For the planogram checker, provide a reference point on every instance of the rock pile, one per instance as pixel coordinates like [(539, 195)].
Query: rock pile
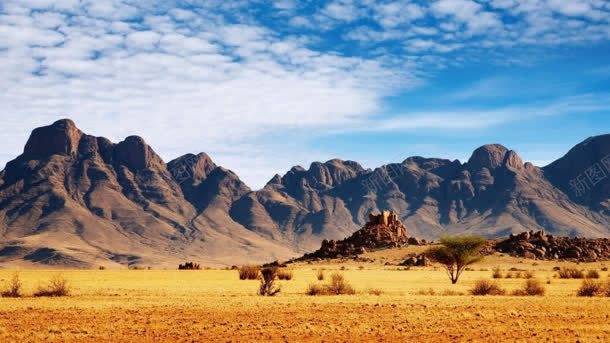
[(541, 246), (384, 230)]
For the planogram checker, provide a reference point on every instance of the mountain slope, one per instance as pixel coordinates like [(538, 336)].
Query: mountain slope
[(75, 200)]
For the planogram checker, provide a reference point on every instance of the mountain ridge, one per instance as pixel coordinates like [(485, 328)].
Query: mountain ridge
[(79, 200)]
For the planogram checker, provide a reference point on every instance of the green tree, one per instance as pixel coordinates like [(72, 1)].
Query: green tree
[(456, 253)]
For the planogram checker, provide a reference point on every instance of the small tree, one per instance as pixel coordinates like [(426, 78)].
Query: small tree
[(456, 253), (268, 276)]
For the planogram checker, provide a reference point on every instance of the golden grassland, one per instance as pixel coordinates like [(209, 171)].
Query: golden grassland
[(213, 305)]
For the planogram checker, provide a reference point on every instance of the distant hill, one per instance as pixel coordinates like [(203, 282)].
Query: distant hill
[(75, 200)]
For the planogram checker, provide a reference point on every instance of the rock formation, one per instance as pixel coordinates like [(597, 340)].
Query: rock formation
[(538, 245), (383, 230)]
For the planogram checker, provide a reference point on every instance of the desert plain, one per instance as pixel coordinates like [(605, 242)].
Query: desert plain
[(392, 304)]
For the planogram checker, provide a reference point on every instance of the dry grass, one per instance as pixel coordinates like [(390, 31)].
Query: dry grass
[(591, 288), (13, 287), (212, 305), (592, 274), (532, 287), (487, 287), (337, 286), (249, 272), (285, 274), (571, 273), (56, 287)]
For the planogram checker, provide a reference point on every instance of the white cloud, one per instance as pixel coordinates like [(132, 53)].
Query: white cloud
[(216, 78)]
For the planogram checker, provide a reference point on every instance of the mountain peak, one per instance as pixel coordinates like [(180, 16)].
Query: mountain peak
[(59, 138), (136, 154), (489, 156)]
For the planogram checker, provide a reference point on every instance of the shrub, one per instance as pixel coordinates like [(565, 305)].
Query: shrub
[(590, 288), (13, 287), (556, 268), (509, 275), (320, 275), (486, 287), (532, 287), (339, 286), (268, 287), (56, 287), (497, 274), (284, 274), (604, 269), (528, 275), (518, 275), (360, 267), (315, 289), (249, 272), (101, 268), (571, 273), (592, 274), (336, 286), (375, 291)]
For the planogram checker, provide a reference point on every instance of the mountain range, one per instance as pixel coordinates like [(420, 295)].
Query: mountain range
[(75, 200)]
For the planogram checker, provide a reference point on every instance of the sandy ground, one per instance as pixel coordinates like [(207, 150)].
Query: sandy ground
[(214, 306)]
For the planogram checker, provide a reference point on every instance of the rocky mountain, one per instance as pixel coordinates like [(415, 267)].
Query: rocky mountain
[(72, 199), (75, 200)]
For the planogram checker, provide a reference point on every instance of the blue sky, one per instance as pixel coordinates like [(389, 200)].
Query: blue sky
[(265, 85)]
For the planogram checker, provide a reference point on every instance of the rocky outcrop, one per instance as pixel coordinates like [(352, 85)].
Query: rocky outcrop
[(538, 245), (383, 230)]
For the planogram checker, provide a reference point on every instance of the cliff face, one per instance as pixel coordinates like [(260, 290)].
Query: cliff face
[(77, 200)]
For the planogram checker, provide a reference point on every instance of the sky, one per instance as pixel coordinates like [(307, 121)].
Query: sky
[(263, 85)]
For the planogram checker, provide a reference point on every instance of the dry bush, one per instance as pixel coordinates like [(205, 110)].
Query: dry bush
[(509, 276), (486, 287), (315, 289), (590, 288), (518, 275), (532, 287), (497, 274), (320, 275), (249, 272), (604, 269), (360, 267), (571, 273), (339, 286), (336, 286), (56, 287), (375, 291), (592, 274), (528, 275), (268, 287), (285, 274), (13, 287)]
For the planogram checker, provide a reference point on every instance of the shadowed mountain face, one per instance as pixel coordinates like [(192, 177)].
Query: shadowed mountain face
[(77, 200)]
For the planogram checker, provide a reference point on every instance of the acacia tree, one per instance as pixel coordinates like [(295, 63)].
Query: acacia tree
[(456, 253)]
